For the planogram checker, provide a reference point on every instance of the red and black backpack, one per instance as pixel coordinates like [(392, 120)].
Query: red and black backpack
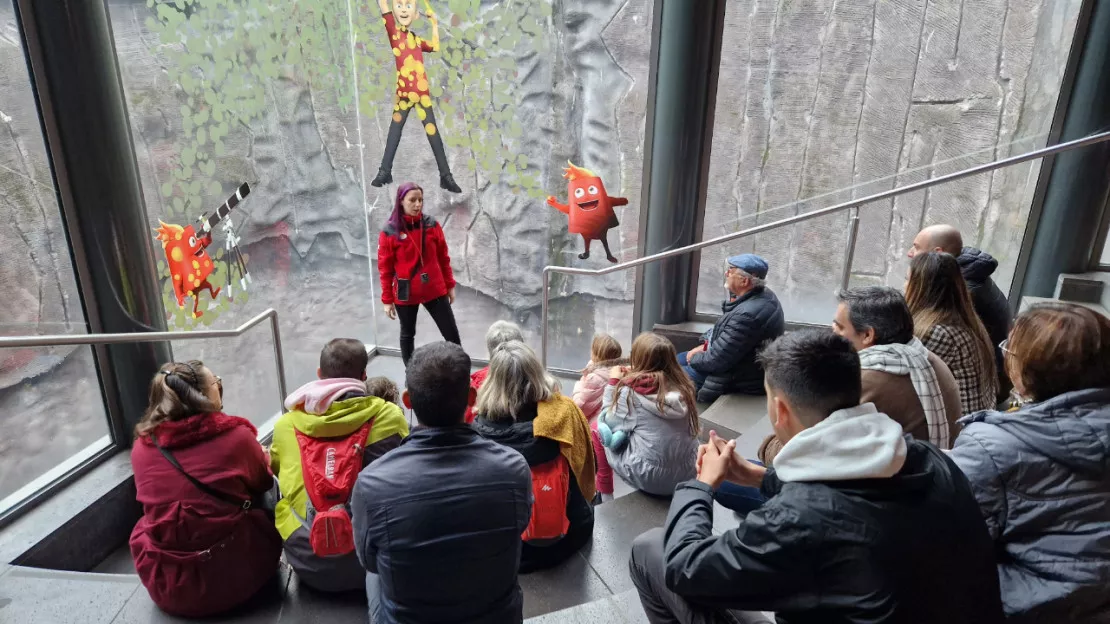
[(550, 487), (330, 467)]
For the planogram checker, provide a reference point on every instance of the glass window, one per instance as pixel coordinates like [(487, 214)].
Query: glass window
[(51, 395), (298, 98), (884, 95), (1105, 260)]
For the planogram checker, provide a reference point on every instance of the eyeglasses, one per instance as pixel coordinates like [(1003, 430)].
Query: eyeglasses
[(1004, 347)]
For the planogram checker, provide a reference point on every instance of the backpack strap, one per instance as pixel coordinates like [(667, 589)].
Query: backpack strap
[(244, 504), (360, 436)]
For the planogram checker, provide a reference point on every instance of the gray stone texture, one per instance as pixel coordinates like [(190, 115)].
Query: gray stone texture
[(820, 102)]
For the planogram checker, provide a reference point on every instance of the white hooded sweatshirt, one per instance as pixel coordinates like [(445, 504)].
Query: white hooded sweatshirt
[(855, 443)]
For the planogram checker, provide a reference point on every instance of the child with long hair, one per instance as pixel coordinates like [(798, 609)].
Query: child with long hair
[(649, 424), (605, 353)]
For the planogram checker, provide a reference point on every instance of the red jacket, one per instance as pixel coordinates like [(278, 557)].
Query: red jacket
[(477, 378), (399, 255), (195, 554)]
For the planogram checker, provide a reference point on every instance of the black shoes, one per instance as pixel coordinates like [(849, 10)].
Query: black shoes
[(384, 177), (447, 183)]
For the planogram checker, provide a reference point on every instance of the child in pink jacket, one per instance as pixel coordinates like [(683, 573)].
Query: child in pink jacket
[(605, 353)]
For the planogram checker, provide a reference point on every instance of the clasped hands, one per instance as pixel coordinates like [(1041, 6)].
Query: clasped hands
[(718, 461)]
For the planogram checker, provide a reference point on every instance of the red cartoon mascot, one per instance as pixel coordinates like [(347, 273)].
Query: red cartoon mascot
[(189, 263), (591, 208)]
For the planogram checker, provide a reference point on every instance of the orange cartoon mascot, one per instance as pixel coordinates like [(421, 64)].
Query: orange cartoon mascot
[(591, 208), (190, 265)]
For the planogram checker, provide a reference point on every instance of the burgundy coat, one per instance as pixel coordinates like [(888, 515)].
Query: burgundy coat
[(195, 554)]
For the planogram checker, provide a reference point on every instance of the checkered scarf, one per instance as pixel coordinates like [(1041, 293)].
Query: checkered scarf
[(912, 359)]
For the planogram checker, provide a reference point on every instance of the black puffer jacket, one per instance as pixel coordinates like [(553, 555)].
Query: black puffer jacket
[(518, 436), (729, 363), (990, 304), (911, 548)]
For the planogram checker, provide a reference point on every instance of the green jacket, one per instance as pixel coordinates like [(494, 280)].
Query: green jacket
[(342, 418)]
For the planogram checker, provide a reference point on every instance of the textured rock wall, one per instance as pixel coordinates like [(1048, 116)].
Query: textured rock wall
[(822, 101)]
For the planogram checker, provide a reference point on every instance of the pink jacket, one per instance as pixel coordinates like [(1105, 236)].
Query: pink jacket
[(588, 389)]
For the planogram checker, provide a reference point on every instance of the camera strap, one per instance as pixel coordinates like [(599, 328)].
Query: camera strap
[(420, 251)]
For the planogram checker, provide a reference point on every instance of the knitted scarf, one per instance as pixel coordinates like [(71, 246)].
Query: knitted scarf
[(912, 360)]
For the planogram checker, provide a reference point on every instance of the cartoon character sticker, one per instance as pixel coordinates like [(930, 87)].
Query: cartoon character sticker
[(413, 91), (190, 265), (590, 210)]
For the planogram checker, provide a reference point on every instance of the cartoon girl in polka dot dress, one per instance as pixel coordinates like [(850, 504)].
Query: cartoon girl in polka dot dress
[(412, 88)]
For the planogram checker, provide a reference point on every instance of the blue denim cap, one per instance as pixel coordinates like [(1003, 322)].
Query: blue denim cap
[(751, 264)]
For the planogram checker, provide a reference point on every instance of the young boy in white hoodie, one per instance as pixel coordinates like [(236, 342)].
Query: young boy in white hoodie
[(861, 524)]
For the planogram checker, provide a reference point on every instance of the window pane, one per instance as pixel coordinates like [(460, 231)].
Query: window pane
[(886, 94), (298, 98), (51, 396)]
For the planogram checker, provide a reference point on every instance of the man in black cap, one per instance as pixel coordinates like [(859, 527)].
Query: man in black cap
[(725, 363)]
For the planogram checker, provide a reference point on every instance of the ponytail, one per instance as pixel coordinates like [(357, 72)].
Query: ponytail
[(176, 392)]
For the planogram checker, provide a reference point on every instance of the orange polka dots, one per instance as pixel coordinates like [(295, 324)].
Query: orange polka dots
[(396, 52), (430, 129), (425, 101), (397, 117)]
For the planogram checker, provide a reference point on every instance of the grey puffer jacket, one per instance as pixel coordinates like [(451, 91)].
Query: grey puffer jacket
[(1042, 479), (661, 450)]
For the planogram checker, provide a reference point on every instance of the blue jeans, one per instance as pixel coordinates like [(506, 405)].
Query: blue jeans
[(739, 498), (694, 375)]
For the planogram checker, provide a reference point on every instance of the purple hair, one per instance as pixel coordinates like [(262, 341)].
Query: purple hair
[(397, 219)]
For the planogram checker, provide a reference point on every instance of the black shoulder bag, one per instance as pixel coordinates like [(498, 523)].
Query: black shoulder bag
[(246, 504)]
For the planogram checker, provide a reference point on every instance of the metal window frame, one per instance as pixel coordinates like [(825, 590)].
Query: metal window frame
[(57, 482)]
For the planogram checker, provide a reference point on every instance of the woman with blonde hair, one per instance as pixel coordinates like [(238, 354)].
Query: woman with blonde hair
[(205, 543), (520, 406), (1041, 473), (945, 321), (649, 425)]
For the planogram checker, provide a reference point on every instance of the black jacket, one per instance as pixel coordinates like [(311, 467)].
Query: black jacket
[(729, 363), (911, 548), (990, 304), (518, 436)]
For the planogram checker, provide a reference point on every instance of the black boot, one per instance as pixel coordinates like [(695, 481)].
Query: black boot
[(384, 177), (447, 182)]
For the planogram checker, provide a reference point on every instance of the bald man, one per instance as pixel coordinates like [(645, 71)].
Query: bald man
[(977, 267)]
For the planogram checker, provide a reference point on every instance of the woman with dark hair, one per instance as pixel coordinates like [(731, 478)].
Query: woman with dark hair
[(203, 545), (944, 319), (1041, 473), (415, 269)]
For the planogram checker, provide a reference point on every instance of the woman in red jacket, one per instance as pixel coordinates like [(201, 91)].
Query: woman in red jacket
[(415, 269), (199, 548)]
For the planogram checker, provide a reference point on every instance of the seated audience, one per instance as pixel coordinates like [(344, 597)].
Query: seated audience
[(1042, 473), (333, 429), (900, 376), (520, 407), (605, 353), (726, 363), (977, 267), (200, 548), (862, 523), (649, 425), (498, 334), (384, 389), (438, 520), (945, 321)]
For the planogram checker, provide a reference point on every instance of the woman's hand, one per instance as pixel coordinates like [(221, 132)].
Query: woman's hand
[(390, 311), (617, 372), (451, 296)]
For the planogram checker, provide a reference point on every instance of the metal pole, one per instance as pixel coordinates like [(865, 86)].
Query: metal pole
[(543, 316), (850, 247), (279, 359)]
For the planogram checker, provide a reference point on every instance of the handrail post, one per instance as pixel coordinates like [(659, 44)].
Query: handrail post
[(279, 359), (850, 247), (544, 316)]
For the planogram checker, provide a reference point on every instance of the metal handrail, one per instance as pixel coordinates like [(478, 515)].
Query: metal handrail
[(1093, 139), (8, 342)]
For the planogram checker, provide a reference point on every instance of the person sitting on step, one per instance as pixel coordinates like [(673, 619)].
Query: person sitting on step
[(605, 353), (520, 407), (498, 334), (862, 523), (649, 422), (438, 521), (337, 416)]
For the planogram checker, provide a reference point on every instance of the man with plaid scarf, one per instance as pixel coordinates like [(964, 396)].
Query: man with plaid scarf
[(900, 376)]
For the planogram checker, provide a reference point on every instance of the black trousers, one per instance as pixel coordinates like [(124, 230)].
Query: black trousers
[(662, 605), (440, 309), (434, 139)]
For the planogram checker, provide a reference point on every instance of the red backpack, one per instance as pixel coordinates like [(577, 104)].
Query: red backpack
[(330, 467), (550, 485)]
